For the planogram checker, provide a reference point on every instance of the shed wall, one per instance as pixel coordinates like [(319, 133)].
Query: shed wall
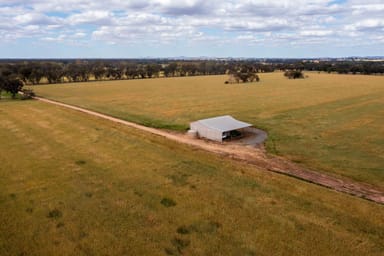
[(206, 132)]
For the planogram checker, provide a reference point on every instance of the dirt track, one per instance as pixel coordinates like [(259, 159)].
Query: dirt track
[(254, 156)]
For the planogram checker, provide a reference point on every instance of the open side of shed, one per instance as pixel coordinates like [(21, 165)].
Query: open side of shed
[(218, 128)]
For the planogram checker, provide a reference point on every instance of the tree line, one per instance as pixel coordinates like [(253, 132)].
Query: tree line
[(60, 71), (36, 72), (242, 70), (332, 66)]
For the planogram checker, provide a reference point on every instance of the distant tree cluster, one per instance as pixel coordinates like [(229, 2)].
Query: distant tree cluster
[(332, 66), (294, 74), (244, 74)]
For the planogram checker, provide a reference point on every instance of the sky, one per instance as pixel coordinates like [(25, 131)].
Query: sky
[(191, 28)]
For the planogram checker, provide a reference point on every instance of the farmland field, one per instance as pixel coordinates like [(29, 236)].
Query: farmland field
[(331, 123), (73, 184)]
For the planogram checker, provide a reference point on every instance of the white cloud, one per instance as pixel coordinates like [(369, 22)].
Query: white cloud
[(367, 26), (362, 8), (174, 21), (79, 35), (258, 25), (91, 17), (59, 38), (36, 18), (320, 33)]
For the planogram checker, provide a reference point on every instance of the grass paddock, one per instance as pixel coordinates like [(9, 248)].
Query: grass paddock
[(328, 122), (73, 184)]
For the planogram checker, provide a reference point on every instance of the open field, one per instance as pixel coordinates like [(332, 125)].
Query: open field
[(75, 184), (249, 155), (331, 123)]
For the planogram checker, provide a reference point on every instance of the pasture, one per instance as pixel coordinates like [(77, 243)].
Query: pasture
[(328, 122), (73, 184)]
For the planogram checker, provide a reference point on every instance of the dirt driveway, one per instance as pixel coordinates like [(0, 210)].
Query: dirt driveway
[(252, 137), (255, 156)]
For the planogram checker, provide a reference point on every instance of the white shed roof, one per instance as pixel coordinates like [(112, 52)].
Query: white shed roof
[(224, 123)]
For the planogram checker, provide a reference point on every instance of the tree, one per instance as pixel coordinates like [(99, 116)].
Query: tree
[(8, 70), (2, 81), (98, 70), (131, 71), (170, 69), (153, 70), (53, 72), (190, 69), (141, 72), (13, 86), (244, 74), (115, 71), (77, 72), (36, 74), (293, 74), (25, 72)]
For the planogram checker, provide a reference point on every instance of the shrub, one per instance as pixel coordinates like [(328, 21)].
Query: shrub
[(183, 230), (55, 214), (167, 202), (80, 162), (27, 94), (180, 243)]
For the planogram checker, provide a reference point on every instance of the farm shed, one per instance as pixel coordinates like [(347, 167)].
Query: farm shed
[(218, 128)]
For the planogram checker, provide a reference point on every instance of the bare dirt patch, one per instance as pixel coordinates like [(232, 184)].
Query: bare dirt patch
[(255, 156)]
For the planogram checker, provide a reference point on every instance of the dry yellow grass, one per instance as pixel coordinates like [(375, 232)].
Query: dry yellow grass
[(332, 123), (72, 184)]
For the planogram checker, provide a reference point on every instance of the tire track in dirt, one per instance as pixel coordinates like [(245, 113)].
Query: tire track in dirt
[(254, 156)]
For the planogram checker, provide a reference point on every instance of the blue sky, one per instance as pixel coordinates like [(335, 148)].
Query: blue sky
[(192, 28)]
